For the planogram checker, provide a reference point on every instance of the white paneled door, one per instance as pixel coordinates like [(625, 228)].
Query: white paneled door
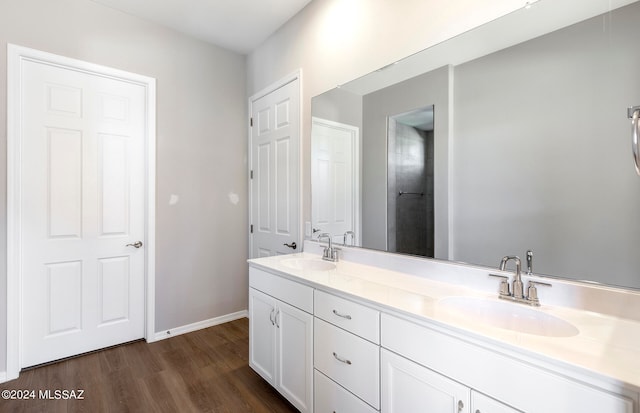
[(82, 211), (335, 192), (275, 158)]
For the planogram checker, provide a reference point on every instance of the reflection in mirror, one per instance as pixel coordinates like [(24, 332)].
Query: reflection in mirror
[(531, 143), (335, 173), (410, 218), (370, 114)]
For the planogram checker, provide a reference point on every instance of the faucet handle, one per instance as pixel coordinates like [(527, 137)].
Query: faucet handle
[(532, 292), (335, 254), (504, 285), (345, 235)]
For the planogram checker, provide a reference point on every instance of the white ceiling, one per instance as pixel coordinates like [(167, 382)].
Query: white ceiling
[(238, 25)]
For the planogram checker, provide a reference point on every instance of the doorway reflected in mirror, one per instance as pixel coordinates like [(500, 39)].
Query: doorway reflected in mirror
[(410, 209)]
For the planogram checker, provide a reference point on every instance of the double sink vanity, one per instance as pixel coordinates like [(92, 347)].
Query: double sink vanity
[(376, 331), (511, 137)]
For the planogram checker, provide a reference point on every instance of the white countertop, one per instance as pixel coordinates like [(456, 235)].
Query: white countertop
[(606, 345)]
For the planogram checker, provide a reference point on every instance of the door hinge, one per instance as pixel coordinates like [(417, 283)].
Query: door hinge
[(251, 228), (251, 122), (251, 174)]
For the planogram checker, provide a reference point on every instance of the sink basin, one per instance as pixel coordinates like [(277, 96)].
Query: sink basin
[(308, 264), (505, 315)]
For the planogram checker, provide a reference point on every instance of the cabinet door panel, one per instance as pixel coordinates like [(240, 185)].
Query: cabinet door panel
[(294, 329), (409, 387), (262, 341)]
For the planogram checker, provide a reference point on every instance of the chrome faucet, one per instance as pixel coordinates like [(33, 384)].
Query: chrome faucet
[(330, 253), (353, 238), (518, 291)]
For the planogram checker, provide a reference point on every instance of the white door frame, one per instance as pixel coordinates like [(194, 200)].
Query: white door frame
[(15, 56), (292, 77)]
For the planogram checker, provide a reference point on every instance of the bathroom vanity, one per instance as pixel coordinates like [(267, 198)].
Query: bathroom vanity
[(469, 149), (383, 332)]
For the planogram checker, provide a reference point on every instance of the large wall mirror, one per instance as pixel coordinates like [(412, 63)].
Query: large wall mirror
[(511, 137)]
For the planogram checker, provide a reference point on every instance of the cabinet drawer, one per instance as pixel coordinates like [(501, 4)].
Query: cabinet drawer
[(485, 404), (291, 292), (333, 398), (348, 360), (353, 317)]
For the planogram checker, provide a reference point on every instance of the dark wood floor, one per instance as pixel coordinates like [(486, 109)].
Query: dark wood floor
[(203, 371)]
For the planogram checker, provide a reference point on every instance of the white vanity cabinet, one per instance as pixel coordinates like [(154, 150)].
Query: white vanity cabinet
[(281, 336), (484, 371), (329, 350)]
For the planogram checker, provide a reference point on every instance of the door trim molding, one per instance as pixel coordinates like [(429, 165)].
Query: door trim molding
[(291, 77), (15, 56)]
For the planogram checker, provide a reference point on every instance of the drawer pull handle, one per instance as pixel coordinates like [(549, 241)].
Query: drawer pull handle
[(347, 316), (341, 360), (271, 317)]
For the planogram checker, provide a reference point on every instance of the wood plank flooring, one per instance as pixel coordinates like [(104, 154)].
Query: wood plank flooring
[(202, 371)]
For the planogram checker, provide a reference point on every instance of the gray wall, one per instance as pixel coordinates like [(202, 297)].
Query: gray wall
[(201, 271), (537, 164), (432, 88), (335, 41), (339, 105)]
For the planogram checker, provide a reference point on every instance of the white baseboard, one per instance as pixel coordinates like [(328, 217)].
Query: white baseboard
[(5, 377), (161, 335)]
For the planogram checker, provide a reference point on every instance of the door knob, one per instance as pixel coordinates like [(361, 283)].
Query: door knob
[(136, 244), (292, 245)]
